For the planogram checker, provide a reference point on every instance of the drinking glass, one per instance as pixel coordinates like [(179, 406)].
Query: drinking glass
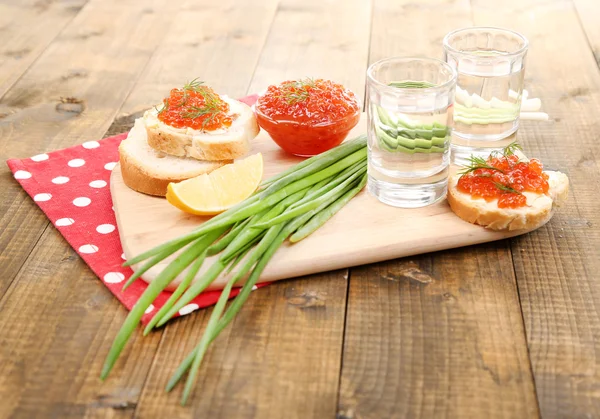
[(409, 127), (490, 63)]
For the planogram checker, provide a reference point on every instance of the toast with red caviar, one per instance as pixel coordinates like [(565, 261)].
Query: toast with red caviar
[(507, 191), (149, 171), (196, 122)]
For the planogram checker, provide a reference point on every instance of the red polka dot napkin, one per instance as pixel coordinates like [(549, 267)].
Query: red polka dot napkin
[(71, 186)]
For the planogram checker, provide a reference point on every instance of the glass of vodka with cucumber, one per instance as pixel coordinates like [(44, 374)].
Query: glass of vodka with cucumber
[(409, 110), (490, 63)]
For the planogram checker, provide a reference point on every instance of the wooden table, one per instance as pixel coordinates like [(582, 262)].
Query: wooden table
[(505, 330)]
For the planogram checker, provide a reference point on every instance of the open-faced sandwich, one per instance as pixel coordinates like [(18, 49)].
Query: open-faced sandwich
[(194, 131), (507, 191)]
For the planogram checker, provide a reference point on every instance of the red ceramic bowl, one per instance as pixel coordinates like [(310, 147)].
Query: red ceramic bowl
[(305, 139)]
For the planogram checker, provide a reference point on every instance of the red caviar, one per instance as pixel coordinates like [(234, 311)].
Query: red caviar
[(197, 107), (307, 117), (505, 178)]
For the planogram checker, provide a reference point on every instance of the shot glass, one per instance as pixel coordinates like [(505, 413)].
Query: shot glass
[(409, 113), (490, 63)]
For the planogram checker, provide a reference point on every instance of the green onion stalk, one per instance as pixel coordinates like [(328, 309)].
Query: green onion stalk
[(291, 205)]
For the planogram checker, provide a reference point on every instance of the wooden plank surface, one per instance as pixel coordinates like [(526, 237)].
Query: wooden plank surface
[(437, 335), (26, 29), (56, 326), (94, 62), (557, 266), (57, 322), (281, 357), (587, 12)]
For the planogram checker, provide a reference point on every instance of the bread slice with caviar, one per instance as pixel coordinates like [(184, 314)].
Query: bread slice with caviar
[(526, 209), (196, 122), (149, 171)]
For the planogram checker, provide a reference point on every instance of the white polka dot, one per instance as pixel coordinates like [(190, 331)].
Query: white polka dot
[(188, 309), (41, 197), (105, 228), (149, 309), (123, 256), (22, 174), (60, 180), (254, 287), (114, 277), (91, 144), (110, 166), (62, 222), (82, 201), (76, 162), (40, 157), (97, 184), (88, 248)]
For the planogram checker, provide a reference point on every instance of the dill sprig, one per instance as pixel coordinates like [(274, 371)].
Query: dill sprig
[(197, 86), (212, 101), (476, 162), (510, 149), (506, 188), (197, 112), (194, 85), (507, 151), (298, 90), (211, 106), (164, 107)]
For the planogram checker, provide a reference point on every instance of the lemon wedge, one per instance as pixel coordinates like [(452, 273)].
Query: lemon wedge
[(219, 190)]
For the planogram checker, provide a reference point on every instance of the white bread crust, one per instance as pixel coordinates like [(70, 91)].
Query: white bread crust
[(537, 212), (149, 171)]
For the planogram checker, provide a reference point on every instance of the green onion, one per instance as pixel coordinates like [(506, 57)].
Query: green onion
[(322, 159), (187, 280), (259, 202), (295, 202), (154, 289), (212, 323), (312, 204), (241, 298), (323, 216), (224, 241)]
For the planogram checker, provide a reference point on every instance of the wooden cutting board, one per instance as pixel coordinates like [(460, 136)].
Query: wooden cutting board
[(365, 231)]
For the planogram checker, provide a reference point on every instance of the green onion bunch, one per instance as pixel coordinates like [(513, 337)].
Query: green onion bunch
[(291, 205)]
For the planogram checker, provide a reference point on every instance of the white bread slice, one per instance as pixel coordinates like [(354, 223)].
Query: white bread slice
[(149, 171), (536, 213), (215, 145)]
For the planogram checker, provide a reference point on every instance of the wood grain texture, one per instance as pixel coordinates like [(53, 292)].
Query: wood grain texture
[(281, 357), (316, 39), (26, 29), (56, 325), (57, 321), (384, 232), (587, 11), (557, 266), (430, 336), (70, 95), (438, 335), (217, 42)]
